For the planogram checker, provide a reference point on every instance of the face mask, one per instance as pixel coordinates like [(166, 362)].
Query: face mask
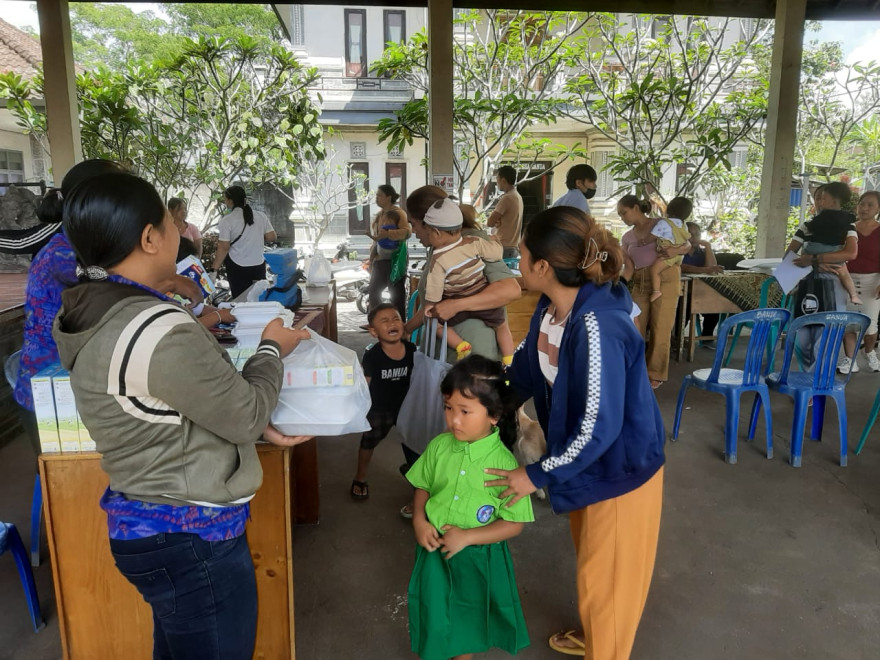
[(589, 193)]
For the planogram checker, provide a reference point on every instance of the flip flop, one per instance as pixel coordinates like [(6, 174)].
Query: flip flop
[(578, 649), (365, 490)]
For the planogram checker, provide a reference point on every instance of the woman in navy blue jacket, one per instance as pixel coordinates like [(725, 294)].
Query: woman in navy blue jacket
[(583, 362)]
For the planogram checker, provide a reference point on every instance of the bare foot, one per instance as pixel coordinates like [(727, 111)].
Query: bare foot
[(655, 295), (655, 384)]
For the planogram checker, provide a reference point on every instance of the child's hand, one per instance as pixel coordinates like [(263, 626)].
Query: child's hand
[(427, 535), (454, 540)]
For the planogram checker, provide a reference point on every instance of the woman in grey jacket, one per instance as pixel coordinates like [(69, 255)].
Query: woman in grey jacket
[(175, 423)]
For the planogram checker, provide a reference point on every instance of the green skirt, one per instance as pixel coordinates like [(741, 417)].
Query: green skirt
[(468, 604)]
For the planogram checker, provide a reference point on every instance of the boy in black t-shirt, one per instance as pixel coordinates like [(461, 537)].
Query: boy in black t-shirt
[(388, 367)]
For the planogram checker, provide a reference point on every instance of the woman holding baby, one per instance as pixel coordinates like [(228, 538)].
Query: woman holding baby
[(658, 314)]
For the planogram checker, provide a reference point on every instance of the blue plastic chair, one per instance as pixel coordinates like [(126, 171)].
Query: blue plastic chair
[(787, 302), (760, 352), (817, 381), (10, 369), (10, 540)]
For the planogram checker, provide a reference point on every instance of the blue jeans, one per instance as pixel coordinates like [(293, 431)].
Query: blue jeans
[(203, 594)]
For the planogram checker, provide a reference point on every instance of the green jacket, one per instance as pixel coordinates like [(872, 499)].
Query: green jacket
[(173, 420)]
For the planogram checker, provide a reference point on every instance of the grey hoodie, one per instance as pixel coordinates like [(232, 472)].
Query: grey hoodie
[(173, 420)]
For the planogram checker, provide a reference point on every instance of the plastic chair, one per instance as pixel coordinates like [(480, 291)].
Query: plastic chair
[(819, 381), (10, 540), (764, 323), (787, 302), (10, 369)]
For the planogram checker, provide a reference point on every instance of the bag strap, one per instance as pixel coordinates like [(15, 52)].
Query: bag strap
[(429, 339), (241, 233)]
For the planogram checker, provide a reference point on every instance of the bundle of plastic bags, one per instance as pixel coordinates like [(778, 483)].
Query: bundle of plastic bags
[(324, 391)]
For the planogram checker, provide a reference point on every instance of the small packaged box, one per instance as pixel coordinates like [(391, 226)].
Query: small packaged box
[(85, 438), (44, 409), (65, 410)]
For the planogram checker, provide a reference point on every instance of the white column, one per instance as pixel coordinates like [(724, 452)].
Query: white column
[(785, 72), (440, 74), (62, 114)]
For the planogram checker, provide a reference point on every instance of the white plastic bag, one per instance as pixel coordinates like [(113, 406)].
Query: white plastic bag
[(319, 271), (324, 391), (422, 416)]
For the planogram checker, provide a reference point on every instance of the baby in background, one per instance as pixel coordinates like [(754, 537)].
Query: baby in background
[(456, 271), (671, 233)]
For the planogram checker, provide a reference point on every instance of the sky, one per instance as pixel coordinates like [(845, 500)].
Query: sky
[(860, 39)]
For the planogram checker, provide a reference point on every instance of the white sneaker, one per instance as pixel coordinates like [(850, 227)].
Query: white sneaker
[(873, 361), (843, 364)]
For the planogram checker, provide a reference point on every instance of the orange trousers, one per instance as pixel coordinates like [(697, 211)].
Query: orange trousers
[(616, 544)]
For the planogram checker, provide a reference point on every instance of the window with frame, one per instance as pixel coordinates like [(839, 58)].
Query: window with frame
[(355, 42), (395, 26), (359, 216), (606, 184), (11, 168)]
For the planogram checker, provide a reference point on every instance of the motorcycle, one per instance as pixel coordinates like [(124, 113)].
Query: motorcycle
[(350, 277)]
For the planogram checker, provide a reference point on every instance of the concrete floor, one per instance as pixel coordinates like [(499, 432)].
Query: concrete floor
[(757, 560)]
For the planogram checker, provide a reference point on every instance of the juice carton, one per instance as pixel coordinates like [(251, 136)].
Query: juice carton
[(85, 438), (65, 409), (44, 409)]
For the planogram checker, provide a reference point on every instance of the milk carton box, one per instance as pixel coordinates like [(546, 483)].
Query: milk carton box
[(65, 410), (85, 438), (44, 409)]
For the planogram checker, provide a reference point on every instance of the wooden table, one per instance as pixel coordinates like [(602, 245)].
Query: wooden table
[(704, 299), (307, 501), (100, 614), (12, 295), (323, 298)]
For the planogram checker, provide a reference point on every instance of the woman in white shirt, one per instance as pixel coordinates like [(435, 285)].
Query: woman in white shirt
[(243, 233)]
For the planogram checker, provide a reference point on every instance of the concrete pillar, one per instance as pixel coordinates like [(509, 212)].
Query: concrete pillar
[(785, 72), (62, 113), (440, 154)]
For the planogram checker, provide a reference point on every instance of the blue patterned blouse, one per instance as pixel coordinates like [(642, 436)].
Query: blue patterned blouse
[(51, 271)]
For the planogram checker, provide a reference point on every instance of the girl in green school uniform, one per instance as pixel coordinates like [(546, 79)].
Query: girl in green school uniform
[(462, 595)]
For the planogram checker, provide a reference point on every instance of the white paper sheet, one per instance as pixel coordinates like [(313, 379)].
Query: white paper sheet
[(787, 274)]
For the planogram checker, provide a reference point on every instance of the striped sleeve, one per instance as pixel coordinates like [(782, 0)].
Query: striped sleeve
[(598, 424)]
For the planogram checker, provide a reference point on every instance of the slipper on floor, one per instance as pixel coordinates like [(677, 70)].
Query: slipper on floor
[(406, 512), (578, 649), (364, 488)]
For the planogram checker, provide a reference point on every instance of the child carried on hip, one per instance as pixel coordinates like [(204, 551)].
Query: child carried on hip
[(456, 271)]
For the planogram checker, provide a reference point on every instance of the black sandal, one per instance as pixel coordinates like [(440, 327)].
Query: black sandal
[(364, 488)]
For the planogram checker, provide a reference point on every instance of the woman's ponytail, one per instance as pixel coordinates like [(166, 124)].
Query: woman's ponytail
[(238, 197)]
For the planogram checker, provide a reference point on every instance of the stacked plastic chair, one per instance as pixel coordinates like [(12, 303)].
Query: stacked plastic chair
[(818, 380), (765, 327)]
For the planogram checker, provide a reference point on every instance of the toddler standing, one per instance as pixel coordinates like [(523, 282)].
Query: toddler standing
[(462, 595)]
